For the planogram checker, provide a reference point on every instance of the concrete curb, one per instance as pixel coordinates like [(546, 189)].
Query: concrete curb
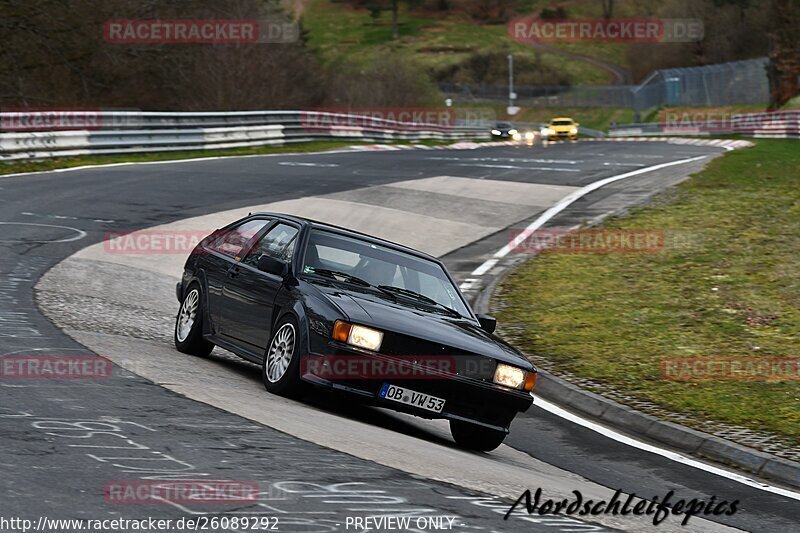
[(673, 435), (723, 143)]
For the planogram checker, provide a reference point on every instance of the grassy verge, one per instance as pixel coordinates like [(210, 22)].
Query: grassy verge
[(731, 290), (432, 41), (68, 162)]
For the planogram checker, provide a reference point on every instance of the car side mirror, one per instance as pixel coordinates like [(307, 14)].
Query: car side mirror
[(270, 265), (576, 124), (488, 323)]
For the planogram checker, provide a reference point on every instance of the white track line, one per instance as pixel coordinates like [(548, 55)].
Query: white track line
[(552, 169), (566, 201), (343, 150), (100, 166), (673, 456), (607, 432)]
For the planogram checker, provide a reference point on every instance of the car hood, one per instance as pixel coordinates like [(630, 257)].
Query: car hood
[(385, 314), (561, 129)]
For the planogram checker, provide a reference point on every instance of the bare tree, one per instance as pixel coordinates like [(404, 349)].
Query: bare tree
[(784, 55), (395, 24), (376, 7), (608, 9), (56, 57)]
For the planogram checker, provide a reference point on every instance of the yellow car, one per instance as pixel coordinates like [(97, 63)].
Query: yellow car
[(560, 128)]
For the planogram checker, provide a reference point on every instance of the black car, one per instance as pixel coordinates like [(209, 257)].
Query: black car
[(503, 130), (316, 304)]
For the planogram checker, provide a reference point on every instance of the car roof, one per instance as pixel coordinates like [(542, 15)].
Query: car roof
[(347, 231), (560, 118)]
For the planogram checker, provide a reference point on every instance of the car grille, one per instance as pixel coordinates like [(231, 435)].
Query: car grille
[(463, 363)]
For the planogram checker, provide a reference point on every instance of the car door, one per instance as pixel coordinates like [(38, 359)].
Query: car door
[(249, 294), (223, 251)]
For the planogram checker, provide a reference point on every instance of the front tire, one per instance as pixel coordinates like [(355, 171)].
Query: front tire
[(188, 333), (281, 367), (474, 437)]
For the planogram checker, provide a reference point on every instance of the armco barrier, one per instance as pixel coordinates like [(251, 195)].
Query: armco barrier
[(777, 125), (26, 135)]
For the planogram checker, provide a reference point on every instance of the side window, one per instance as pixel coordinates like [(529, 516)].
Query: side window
[(277, 242), (233, 240)]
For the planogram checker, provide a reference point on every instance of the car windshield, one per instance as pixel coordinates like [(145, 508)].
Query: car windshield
[(503, 125), (355, 260), (561, 123)]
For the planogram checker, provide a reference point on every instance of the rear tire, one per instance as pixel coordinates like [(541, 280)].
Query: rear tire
[(188, 333), (281, 367), (474, 437)]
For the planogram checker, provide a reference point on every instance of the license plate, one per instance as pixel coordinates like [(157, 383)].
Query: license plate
[(410, 397)]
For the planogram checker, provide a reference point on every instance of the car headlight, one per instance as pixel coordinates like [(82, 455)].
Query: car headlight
[(512, 132), (355, 335), (548, 131), (516, 136), (529, 135), (495, 132), (513, 377), (573, 130)]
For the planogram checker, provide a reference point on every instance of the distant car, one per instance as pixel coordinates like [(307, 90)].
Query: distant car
[(504, 130), (318, 304), (560, 128)]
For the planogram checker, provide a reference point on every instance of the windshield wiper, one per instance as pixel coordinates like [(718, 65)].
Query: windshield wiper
[(421, 297), (335, 273)]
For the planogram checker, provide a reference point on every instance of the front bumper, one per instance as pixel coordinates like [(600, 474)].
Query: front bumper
[(466, 399), (559, 135)]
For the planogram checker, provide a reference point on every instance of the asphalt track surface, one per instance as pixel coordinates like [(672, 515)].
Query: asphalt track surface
[(61, 438)]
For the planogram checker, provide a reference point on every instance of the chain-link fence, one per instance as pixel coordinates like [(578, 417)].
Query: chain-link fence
[(738, 82)]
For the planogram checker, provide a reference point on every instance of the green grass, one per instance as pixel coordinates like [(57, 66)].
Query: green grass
[(606, 51), (336, 30), (68, 162), (731, 290)]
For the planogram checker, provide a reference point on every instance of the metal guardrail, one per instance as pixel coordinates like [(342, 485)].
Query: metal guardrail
[(777, 125), (41, 135)]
